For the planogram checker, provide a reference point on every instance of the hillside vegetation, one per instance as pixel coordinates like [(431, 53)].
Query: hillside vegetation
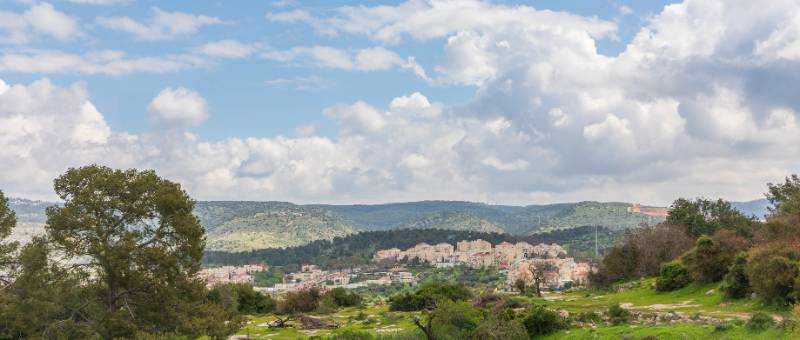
[(243, 226), (249, 225)]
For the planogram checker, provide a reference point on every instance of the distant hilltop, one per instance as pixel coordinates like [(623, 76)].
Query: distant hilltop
[(249, 225), (649, 211)]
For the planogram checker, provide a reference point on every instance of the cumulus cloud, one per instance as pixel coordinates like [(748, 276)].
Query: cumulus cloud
[(40, 18), (161, 25), (178, 107), (366, 59), (677, 113)]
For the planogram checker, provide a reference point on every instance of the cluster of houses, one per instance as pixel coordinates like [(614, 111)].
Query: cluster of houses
[(519, 260), (231, 274), (309, 276)]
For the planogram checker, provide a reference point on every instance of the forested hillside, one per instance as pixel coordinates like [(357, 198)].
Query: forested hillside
[(243, 226), (359, 248)]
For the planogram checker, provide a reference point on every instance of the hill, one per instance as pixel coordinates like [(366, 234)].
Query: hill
[(758, 208), (249, 225), (359, 248), (276, 226)]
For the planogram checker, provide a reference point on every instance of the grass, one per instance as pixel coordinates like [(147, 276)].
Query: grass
[(668, 332), (695, 299), (705, 299), (378, 321)]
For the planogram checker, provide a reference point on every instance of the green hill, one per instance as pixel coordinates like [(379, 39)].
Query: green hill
[(248, 225), (276, 226)]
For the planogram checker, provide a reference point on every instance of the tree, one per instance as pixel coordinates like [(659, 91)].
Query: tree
[(343, 298), (707, 261), (540, 321), (139, 247), (242, 298), (704, 216), (772, 270), (41, 302), (8, 219), (785, 198), (520, 285), (735, 284), (674, 275), (540, 269)]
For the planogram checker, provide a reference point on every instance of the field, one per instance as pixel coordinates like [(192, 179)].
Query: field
[(691, 302), (375, 319)]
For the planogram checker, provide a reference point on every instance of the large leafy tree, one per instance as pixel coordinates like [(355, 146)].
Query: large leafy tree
[(704, 216), (134, 237), (785, 197)]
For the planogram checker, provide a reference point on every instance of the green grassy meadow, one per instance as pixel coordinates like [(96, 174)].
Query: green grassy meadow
[(705, 300)]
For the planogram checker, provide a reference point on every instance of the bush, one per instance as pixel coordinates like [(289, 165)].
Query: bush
[(771, 271), (760, 321), (428, 295), (735, 284), (498, 328), (242, 298), (588, 317), (674, 275), (343, 298), (303, 301), (541, 321), (618, 315)]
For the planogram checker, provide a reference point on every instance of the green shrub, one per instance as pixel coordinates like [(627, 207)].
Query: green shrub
[(760, 321), (242, 298), (303, 301), (588, 317), (772, 271), (735, 284), (618, 315), (499, 328), (344, 298), (722, 327), (428, 295), (541, 321), (674, 275)]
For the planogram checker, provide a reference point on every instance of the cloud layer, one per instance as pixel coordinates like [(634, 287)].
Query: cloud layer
[(700, 102)]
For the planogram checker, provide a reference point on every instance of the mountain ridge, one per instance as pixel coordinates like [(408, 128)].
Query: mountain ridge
[(250, 225)]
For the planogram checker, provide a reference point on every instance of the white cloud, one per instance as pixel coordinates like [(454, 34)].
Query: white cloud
[(39, 18), (677, 113), (366, 59), (227, 49), (161, 25), (178, 107), (98, 62), (312, 83)]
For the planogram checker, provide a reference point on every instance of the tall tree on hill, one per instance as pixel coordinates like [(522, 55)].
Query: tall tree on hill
[(139, 245), (704, 217)]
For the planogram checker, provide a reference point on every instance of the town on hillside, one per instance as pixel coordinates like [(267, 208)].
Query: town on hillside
[(519, 262)]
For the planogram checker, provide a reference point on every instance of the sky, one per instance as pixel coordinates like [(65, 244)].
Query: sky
[(504, 102)]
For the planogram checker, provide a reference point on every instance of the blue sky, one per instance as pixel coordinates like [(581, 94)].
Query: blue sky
[(339, 102), (240, 102)]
